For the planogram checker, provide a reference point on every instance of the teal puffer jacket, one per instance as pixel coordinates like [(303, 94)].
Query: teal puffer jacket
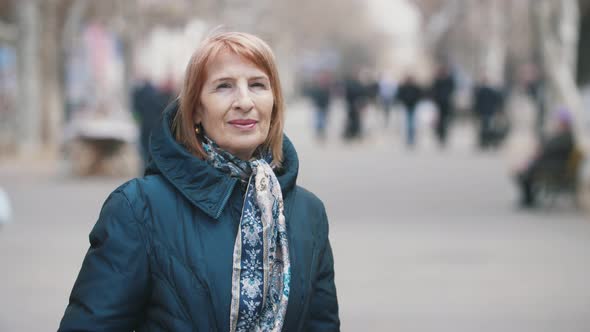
[(160, 256)]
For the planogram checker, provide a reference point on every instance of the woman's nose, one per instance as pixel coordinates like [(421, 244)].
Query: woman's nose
[(243, 100)]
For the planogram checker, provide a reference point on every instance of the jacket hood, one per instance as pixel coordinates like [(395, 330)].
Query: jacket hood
[(203, 185)]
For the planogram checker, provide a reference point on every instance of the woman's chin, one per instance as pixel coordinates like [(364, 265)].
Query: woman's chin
[(242, 146)]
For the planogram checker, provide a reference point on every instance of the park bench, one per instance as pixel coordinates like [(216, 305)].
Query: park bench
[(97, 143)]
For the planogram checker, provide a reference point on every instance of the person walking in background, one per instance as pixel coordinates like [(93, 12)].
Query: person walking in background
[(487, 104), (410, 94), (217, 236), (320, 93), (442, 94), (148, 104), (387, 88), (355, 96)]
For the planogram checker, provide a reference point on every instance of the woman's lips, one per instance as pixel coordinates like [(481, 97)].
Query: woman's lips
[(243, 124)]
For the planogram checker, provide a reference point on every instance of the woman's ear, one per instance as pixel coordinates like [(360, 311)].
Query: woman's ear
[(197, 116)]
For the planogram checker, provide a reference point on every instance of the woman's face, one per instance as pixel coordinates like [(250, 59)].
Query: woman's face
[(236, 105)]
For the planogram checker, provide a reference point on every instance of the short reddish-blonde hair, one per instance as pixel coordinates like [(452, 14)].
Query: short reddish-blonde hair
[(250, 48)]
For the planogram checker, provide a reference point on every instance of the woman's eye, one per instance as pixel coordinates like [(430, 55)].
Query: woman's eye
[(258, 85), (223, 86)]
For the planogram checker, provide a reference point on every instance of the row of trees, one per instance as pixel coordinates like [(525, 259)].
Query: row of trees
[(492, 37), (485, 36), (45, 32)]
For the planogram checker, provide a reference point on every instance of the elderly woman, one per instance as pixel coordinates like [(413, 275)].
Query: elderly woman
[(216, 236)]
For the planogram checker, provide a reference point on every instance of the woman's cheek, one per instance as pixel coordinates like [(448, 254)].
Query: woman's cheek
[(268, 104)]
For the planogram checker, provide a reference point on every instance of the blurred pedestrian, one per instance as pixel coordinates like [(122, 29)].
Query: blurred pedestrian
[(387, 87), (148, 104), (355, 95), (551, 158), (217, 236), (487, 104), (410, 94), (442, 94), (320, 93)]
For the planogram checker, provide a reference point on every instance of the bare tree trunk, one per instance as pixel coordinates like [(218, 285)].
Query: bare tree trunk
[(70, 40), (29, 123), (558, 22), (72, 23), (129, 25), (450, 34), (53, 101), (495, 47), (439, 26), (8, 116)]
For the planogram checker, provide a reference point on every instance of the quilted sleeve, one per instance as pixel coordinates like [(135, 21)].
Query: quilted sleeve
[(323, 310), (112, 286)]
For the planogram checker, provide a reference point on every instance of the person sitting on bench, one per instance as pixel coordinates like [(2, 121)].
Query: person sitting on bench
[(551, 158)]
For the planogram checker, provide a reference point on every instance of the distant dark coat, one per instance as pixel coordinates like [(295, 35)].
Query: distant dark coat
[(409, 94), (487, 101), (148, 104), (442, 93)]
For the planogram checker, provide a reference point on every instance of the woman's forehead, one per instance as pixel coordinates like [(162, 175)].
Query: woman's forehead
[(230, 64)]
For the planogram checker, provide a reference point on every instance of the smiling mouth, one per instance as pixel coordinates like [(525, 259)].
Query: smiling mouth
[(243, 124)]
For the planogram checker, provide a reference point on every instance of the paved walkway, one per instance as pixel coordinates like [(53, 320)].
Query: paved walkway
[(424, 240)]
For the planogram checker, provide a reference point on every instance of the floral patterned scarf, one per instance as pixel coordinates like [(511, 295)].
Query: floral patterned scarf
[(261, 268)]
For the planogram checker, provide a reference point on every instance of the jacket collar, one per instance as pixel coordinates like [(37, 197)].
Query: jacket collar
[(204, 186)]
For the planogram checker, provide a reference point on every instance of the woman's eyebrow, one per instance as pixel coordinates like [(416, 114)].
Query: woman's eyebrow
[(224, 78), (228, 78)]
